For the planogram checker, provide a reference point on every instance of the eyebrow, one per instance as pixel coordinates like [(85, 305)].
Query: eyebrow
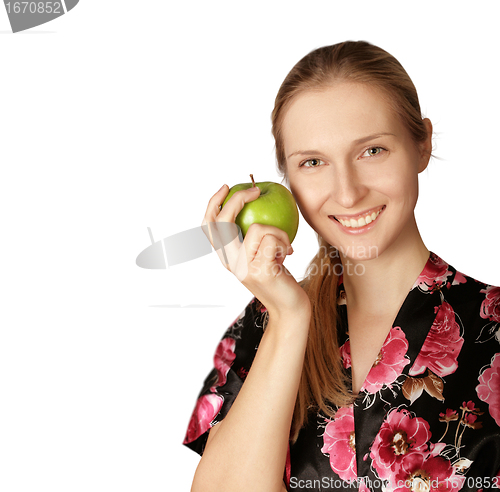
[(356, 142)]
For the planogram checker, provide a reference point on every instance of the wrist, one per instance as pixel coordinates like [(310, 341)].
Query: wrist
[(299, 313), (289, 324)]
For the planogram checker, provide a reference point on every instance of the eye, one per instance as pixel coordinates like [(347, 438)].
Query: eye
[(314, 162), (373, 151)]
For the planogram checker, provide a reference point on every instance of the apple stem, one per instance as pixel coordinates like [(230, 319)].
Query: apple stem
[(253, 182)]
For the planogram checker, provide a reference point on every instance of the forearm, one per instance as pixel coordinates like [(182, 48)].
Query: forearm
[(248, 451)]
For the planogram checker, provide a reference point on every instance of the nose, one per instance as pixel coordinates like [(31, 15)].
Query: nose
[(348, 187)]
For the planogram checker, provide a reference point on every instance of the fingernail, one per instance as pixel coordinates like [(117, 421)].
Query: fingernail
[(221, 187), (253, 188)]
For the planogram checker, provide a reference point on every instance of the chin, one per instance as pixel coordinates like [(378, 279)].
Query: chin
[(354, 251), (359, 253)]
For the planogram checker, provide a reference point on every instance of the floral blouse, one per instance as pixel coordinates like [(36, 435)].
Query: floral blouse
[(428, 414)]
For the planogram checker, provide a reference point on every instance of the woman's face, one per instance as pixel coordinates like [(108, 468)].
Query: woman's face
[(353, 168)]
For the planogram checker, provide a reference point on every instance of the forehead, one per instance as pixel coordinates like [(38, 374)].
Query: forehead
[(337, 115)]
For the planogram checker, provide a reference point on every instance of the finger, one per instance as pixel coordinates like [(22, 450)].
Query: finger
[(214, 204), (231, 210), (271, 249), (213, 210), (228, 253), (281, 254), (269, 257), (255, 234), (236, 203)]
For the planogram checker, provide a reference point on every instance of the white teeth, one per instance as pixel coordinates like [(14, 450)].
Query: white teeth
[(361, 221)]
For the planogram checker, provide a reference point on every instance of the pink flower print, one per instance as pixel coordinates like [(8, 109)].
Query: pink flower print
[(345, 353), (429, 473), (207, 407), (242, 373), (288, 468), (389, 363), (470, 421), (449, 416), (490, 307), (362, 487), (469, 406), (434, 275), (459, 279), (223, 358), (496, 483), (400, 436), (488, 389), (441, 347), (339, 443)]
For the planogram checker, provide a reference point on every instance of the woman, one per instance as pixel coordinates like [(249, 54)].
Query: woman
[(379, 369)]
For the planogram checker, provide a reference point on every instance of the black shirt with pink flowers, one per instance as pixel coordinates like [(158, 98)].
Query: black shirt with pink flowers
[(427, 417)]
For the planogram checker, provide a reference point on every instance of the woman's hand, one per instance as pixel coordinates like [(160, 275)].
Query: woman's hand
[(260, 417), (257, 262)]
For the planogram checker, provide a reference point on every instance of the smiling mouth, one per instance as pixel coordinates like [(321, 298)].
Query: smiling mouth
[(359, 220)]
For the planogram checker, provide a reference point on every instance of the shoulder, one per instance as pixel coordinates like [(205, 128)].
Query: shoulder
[(477, 314), (232, 361), (476, 306), (473, 298)]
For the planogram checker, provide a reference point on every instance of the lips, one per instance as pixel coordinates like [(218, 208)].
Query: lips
[(356, 221)]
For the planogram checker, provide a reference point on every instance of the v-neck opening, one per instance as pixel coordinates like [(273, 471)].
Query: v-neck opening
[(416, 299), (411, 326)]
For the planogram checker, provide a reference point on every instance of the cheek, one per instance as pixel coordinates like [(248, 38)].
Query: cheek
[(410, 191), (307, 201), (401, 186)]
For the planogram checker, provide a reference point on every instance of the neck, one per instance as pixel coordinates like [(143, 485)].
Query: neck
[(378, 287)]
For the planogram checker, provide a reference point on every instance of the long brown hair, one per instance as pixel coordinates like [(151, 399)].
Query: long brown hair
[(323, 384)]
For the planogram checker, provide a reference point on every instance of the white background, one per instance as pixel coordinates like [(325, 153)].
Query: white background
[(125, 115)]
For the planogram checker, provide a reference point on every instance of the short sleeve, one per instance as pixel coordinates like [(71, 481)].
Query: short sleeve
[(232, 360)]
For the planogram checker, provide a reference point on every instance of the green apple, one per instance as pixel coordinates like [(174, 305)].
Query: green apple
[(275, 206)]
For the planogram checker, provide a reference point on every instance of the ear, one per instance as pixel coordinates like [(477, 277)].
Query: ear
[(426, 146)]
